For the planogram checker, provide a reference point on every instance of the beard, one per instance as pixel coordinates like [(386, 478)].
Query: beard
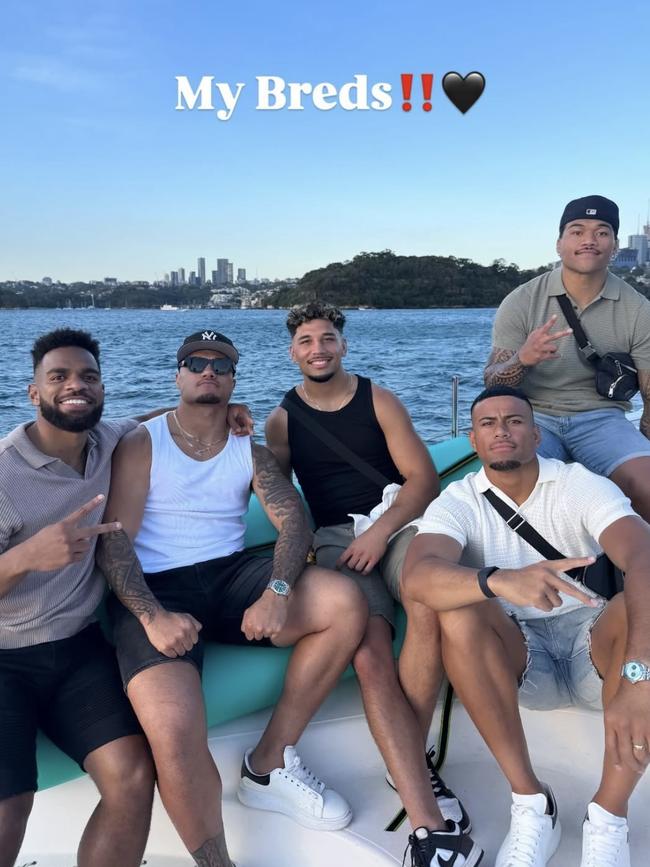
[(72, 424), (505, 466), (324, 378), (208, 398)]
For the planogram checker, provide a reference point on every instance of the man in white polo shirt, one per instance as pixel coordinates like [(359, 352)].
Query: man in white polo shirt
[(545, 641)]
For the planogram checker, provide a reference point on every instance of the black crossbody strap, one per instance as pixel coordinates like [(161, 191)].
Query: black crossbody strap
[(335, 444), (578, 331), (522, 527)]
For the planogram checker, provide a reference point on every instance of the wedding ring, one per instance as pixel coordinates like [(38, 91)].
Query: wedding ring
[(638, 746)]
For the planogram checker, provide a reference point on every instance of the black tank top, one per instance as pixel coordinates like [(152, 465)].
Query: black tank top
[(332, 487)]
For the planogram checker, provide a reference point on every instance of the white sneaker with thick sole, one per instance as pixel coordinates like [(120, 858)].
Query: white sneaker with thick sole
[(534, 833), (295, 791), (604, 839)]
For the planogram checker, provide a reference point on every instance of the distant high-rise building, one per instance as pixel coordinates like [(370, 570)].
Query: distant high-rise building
[(174, 278), (193, 280), (229, 273), (640, 244), (241, 275), (222, 271), (166, 278), (181, 276), (626, 258), (215, 275), (201, 270)]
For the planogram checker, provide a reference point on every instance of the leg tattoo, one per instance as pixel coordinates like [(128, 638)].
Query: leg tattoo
[(213, 853)]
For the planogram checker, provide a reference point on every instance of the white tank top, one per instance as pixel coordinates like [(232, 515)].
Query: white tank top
[(195, 509)]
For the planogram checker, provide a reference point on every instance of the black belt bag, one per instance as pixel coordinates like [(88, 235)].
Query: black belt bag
[(603, 577), (616, 374)]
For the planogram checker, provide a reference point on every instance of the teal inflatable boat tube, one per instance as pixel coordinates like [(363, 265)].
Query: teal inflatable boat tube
[(240, 680)]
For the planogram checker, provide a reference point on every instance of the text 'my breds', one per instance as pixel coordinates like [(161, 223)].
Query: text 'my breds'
[(275, 93)]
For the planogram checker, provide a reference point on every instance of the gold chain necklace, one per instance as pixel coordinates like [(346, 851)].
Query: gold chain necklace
[(189, 437), (316, 404)]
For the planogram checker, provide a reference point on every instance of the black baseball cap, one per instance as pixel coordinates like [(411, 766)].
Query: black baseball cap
[(208, 340), (591, 208)]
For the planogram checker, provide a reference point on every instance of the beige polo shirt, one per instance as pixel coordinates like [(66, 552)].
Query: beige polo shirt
[(570, 506), (617, 320), (37, 490)]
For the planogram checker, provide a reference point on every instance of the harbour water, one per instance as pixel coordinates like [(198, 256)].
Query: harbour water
[(415, 353)]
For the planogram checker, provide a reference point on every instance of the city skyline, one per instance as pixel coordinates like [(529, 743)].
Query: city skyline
[(104, 176)]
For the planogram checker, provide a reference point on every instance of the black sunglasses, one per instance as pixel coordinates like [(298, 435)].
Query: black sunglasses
[(197, 364)]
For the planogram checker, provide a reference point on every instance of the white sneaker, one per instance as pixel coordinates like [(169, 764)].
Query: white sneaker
[(604, 839), (534, 834), (295, 791)]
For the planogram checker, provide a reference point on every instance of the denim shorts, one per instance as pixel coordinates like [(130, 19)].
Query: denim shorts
[(559, 669), (601, 439)]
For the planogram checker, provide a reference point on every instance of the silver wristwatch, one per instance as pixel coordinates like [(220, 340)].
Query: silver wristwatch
[(280, 587), (635, 671)]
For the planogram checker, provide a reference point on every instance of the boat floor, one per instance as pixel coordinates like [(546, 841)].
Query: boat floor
[(566, 748)]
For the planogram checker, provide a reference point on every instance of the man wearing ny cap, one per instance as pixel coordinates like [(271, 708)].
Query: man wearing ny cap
[(534, 348), (181, 487)]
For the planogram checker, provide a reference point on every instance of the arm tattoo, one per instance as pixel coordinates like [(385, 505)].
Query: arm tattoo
[(118, 561), (281, 500), (503, 368), (644, 387), (213, 853)]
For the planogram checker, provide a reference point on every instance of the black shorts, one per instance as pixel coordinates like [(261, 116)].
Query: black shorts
[(216, 592), (70, 689)]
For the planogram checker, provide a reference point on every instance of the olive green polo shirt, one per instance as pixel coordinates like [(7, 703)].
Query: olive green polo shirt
[(617, 320)]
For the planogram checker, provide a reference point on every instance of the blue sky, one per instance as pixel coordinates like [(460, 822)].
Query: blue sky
[(100, 176)]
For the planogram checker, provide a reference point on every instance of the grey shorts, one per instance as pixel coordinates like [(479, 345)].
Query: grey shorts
[(559, 668), (601, 439), (381, 586)]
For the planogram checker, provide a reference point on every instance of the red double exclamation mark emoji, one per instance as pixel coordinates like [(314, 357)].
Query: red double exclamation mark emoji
[(407, 88)]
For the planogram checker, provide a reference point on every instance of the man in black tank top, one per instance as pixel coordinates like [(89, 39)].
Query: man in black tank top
[(331, 414)]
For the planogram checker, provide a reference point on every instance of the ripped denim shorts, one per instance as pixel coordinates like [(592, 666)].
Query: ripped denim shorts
[(559, 668)]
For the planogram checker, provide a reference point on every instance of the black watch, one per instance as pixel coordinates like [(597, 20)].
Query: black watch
[(483, 575)]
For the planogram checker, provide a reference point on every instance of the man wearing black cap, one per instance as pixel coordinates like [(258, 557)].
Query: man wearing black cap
[(181, 487), (534, 348)]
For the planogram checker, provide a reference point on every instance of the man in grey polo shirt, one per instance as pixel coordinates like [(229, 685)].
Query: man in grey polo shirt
[(533, 348), (57, 672)]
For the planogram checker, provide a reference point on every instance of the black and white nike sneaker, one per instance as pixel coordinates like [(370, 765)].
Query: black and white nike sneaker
[(448, 803), (449, 848)]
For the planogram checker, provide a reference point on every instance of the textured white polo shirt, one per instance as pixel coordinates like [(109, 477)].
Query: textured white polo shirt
[(569, 506)]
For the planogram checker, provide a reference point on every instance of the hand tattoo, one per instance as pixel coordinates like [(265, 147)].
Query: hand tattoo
[(503, 368), (118, 561), (281, 500)]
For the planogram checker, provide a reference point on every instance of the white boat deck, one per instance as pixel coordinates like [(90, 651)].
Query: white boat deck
[(566, 747)]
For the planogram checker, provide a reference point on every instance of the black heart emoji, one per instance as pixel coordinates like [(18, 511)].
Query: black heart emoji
[(463, 92)]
